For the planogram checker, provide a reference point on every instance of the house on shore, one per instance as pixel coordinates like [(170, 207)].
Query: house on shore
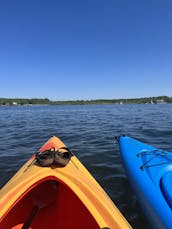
[(160, 101)]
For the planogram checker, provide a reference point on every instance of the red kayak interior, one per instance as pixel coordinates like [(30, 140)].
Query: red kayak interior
[(48, 204)]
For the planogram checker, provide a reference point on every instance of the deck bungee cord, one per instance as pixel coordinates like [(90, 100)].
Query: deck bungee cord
[(154, 153), (52, 156)]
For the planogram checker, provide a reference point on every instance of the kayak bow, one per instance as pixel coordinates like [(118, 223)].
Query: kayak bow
[(57, 196), (149, 171)]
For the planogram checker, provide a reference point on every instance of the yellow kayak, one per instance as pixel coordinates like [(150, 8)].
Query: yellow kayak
[(54, 190)]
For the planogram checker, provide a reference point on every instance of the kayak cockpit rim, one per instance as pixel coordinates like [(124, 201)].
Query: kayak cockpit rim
[(45, 195)]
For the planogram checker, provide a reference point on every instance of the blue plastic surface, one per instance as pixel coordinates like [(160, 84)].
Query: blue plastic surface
[(149, 171), (166, 187)]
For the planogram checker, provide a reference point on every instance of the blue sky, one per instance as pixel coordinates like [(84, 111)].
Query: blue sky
[(85, 49)]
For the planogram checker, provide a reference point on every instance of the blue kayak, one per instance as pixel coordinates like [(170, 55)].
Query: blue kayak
[(149, 171)]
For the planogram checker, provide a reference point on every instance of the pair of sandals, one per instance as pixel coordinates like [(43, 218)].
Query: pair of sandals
[(59, 157)]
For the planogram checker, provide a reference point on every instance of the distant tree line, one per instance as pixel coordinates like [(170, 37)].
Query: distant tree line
[(18, 101), (45, 101)]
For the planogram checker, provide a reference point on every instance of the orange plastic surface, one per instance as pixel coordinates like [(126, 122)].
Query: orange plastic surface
[(53, 197)]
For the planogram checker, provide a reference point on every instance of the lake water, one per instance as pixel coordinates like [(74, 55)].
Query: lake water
[(89, 131)]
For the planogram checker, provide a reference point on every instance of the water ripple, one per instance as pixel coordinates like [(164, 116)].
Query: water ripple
[(89, 131)]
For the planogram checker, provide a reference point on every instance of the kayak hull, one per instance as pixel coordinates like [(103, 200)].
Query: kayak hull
[(146, 168), (56, 197)]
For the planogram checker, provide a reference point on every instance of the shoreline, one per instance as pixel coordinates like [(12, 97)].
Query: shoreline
[(36, 101)]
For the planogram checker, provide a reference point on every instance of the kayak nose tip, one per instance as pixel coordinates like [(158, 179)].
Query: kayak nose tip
[(117, 138)]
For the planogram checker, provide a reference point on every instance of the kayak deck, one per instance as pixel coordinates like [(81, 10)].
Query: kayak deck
[(57, 197), (149, 171)]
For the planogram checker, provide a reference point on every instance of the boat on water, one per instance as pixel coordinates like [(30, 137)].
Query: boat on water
[(149, 171), (54, 190)]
